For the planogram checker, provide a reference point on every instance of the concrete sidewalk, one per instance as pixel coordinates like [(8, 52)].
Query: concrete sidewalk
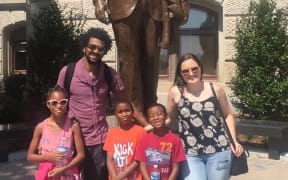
[(260, 167), (17, 167)]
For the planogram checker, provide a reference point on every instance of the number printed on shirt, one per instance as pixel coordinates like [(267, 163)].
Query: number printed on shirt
[(166, 146)]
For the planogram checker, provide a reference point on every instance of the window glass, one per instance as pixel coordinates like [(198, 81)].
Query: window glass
[(190, 43), (200, 37), (204, 47), (20, 61), (200, 19), (164, 62)]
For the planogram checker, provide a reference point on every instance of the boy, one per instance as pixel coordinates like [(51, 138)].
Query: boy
[(160, 147), (121, 144)]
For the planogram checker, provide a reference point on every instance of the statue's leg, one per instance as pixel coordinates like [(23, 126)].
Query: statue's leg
[(128, 38), (150, 63)]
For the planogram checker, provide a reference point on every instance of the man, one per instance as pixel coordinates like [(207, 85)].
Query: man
[(89, 99), (140, 28)]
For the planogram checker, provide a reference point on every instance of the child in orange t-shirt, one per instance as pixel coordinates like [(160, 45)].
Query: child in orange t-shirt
[(121, 143)]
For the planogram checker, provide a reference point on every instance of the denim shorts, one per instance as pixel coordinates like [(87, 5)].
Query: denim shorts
[(214, 166)]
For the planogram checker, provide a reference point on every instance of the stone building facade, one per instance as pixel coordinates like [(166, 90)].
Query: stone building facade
[(209, 33)]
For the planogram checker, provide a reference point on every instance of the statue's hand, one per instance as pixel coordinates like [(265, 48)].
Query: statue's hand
[(178, 10), (101, 11)]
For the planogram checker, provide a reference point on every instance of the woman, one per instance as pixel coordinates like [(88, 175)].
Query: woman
[(198, 111)]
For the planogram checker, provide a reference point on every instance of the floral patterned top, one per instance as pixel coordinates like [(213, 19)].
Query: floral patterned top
[(201, 126)]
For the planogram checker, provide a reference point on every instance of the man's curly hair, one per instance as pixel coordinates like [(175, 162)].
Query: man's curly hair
[(98, 33)]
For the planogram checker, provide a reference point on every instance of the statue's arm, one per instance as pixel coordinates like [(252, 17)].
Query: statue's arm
[(102, 11), (137, 115)]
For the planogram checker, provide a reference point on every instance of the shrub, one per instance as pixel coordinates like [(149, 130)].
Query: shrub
[(10, 109), (11, 101), (261, 82), (54, 42), (14, 86)]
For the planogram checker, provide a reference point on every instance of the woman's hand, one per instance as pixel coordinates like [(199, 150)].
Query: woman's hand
[(238, 150)]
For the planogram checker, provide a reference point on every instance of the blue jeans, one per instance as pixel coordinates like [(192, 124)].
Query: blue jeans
[(95, 163), (214, 166)]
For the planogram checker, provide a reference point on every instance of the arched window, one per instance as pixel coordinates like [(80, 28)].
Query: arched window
[(200, 36), (14, 48)]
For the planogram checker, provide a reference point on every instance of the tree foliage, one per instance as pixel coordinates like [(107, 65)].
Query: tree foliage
[(261, 82), (54, 42), (11, 100)]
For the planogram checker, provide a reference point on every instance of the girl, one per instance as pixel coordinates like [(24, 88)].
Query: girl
[(121, 143), (194, 104), (47, 136)]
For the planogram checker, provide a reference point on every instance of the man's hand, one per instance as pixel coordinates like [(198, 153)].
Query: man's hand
[(101, 11), (139, 117)]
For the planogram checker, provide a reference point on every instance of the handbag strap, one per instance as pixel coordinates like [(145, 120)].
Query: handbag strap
[(224, 121)]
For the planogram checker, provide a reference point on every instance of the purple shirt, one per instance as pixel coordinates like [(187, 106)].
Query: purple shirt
[(89, 100)]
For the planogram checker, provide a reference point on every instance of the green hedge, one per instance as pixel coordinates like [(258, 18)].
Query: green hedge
[(260, 86)]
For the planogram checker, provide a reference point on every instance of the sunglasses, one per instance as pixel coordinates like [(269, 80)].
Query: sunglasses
[(93, 47), (187, 71), (62, 102)]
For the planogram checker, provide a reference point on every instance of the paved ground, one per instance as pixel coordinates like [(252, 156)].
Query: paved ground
[(260, 167), (17, 167)]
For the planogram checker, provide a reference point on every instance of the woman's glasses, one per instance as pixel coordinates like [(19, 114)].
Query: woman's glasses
[(93, 47), (62, 102), (187, 71)]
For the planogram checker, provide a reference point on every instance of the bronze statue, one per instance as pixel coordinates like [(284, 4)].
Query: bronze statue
[(141, 28)]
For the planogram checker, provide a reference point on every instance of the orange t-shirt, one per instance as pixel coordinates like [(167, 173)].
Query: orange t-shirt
[(122, 144)]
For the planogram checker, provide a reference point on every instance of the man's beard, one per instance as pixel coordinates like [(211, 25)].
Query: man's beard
[(93, 62)]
